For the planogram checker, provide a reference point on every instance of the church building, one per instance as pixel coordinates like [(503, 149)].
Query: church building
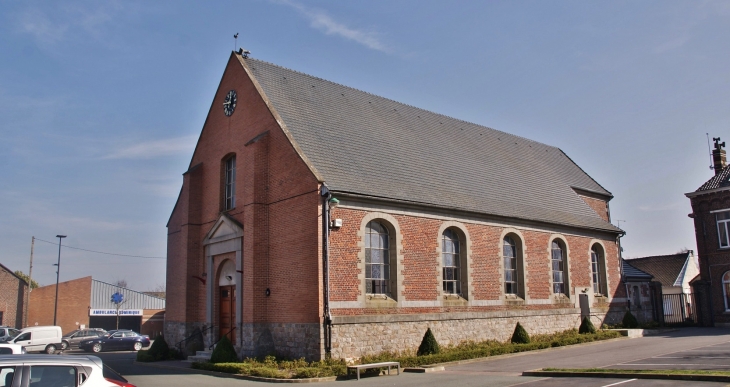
[(316, 219)]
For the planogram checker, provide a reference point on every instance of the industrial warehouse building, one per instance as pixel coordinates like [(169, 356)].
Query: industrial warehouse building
[(87, 303), (318, 219), (13, 298)]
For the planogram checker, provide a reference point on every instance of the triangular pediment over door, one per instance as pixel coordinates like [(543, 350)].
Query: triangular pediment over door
[(225, 228)]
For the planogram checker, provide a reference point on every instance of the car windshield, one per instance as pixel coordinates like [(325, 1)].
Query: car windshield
[(13, 332), (70, 334)]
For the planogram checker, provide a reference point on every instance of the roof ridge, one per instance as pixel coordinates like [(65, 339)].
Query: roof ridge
[(659, 256), (412, 106)]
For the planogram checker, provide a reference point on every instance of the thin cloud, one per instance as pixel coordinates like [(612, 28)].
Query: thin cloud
[(671, 44), (322, 21), (157, 148), (660, 207)]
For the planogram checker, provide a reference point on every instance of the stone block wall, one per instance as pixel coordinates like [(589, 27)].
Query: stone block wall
[(354, 340)]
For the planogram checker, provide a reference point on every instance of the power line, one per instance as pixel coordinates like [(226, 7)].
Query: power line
[(101, 252)]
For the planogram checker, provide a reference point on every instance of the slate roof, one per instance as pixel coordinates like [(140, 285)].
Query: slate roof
[(720, 180), (665, 268), (632, 273), (364, 144)]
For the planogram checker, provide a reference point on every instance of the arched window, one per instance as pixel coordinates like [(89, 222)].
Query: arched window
[(451, 262), (511, 278), (377, 259), (229, 183), (598, 264), (726, 289), (559, 266)]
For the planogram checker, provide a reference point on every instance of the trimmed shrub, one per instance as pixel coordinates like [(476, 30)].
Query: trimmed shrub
[(224, 352), (429, 345), (629, 320), (586, 326), (144, 356), (159, 349), (520, 335)]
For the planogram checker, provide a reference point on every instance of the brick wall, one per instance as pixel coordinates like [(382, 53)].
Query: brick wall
[(73, 304), (13, 298), (714, 261), (599, 206), (277, 203)]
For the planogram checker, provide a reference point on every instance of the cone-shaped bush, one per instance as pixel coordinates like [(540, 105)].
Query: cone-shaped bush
[(429, 345), (586, 326), (224, 352), (629, 320), (520, 335), (159, 349)]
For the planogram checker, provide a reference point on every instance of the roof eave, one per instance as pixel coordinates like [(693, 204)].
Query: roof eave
[(709, 191)]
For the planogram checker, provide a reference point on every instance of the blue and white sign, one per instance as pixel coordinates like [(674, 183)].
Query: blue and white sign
[(117, 298), (113, 312)]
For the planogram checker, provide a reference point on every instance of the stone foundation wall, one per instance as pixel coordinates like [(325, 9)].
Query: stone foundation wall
[(286, 340), (353, 340), (175, 332)]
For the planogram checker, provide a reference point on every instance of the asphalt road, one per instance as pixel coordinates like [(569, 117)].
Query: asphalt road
[(690, 348)]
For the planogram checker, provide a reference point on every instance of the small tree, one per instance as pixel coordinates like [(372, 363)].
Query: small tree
[(429, 345), (520, 335), (159, 349), (27, 279), (629, 320), (224, 352), (586, 326)]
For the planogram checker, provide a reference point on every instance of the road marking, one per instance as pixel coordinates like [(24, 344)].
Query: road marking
[(663, 354), (692, 357), (531, 381), (614, 384), (675, 364)]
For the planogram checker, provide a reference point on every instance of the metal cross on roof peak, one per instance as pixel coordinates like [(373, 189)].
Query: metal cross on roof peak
[(718, 145)]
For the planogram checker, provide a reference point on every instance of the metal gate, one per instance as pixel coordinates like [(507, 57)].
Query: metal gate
[(679, 309)]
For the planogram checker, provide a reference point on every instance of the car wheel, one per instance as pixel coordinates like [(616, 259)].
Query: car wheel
[(64, 345), (96, 348), (137, 346), (51, 349)]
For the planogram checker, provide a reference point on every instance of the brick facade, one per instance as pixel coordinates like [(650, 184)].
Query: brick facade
[(714, 261), (13, 298), (274, 238), (73, 304)]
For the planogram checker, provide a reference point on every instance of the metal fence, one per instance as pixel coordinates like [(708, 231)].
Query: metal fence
[(679, 309)]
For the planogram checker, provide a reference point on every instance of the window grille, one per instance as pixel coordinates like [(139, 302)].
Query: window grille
[(377, 259), (450, 263), (230, 183), (596, 271), (509, 252), (558, 263)]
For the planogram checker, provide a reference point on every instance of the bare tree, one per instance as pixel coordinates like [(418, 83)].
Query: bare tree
[(122, 283)]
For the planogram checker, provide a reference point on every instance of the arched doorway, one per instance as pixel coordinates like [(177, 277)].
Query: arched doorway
[(227, 301)]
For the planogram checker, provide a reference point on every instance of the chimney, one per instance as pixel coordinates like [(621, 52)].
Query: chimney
[(719, 158)]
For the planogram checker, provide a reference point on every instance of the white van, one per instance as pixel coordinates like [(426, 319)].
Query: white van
[(43, 339)]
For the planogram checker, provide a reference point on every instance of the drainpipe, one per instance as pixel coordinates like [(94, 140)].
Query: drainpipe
[(325, 193)]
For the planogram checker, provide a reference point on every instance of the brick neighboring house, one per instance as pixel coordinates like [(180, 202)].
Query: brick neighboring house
[(711, 214), (13, 298), (315, 218), (86, 303)]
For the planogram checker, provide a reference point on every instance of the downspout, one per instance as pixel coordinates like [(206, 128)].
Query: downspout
[(325, 193)]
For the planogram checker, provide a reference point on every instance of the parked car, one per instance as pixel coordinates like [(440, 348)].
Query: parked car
[(7, 333), (42, 370), (11, 349), (39, 339), (117, 341), (73, 338)]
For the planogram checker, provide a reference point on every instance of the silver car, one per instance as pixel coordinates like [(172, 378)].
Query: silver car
[(72, 339), (7, 333), (62, 370)]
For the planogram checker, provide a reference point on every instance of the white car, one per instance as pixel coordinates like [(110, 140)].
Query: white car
[(11, 349), (61, 370)]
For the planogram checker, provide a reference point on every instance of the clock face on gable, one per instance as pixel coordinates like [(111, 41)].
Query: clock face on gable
[(229, 105)]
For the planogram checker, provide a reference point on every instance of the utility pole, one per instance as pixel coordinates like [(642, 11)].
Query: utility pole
[(58, 274), (30, 281)]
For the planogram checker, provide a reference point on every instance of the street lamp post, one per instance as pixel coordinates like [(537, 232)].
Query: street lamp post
[(58, 273)]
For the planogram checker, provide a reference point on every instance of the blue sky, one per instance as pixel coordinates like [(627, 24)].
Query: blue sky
[(101, 102)]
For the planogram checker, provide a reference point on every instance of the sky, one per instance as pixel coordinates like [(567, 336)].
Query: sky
[(101, 103)]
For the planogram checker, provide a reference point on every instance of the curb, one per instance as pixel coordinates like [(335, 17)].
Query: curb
[(628, 375), (421, 370), (237, 376)]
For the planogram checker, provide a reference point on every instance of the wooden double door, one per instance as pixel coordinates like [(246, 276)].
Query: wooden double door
[(227, 312)]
